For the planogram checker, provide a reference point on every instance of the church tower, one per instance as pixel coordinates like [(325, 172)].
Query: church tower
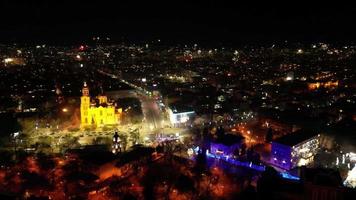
[(84, 106), (102, 98)]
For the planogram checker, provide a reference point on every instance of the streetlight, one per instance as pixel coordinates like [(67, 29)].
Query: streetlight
[(116, 147), (15, 135)]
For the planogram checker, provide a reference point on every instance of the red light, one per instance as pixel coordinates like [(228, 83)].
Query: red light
[(81, 47)]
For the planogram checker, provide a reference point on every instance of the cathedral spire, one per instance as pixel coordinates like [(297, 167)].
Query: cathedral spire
[(101, 90), (85, 89)]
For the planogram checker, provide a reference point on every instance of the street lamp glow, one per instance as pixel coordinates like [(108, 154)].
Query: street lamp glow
[(8, 60), (351, 178), (65, 110), (16, 134)]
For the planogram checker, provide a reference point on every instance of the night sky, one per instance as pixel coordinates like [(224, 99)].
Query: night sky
[(175, 21)]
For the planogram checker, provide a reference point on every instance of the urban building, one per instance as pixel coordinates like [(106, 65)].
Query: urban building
[(226, 145), (98, 111), (179, 116), (295, 149), (322, 183)]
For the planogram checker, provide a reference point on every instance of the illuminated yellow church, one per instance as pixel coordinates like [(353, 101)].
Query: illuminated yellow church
[(98, 111)]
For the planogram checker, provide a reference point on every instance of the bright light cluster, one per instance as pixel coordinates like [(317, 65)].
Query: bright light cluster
[(182, 117), (8, 60), (351, 178), (299, 155), (304, 154)]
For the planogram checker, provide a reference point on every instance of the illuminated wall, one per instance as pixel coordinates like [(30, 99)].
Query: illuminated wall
[(304, 153), (84, 110), (288, 157), (103, 115), (281, 155), (85, 105), (182, 117)]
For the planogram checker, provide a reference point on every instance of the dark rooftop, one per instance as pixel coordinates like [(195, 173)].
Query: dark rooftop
[(180, 108), (323, 176), (229, 139), (296, 137), (344, 131)]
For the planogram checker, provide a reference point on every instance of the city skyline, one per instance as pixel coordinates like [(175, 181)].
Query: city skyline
[(177, 100), (207, 22)]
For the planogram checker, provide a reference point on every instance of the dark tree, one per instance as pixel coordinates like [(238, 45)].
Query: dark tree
[(9, 125), (220, 132), (185, 184), (45, 162), (268, 183), (159, 174), (206, 140), (269, 135), (135, 136), (249, 193), (33, 180), (200, 165), (123, 138)]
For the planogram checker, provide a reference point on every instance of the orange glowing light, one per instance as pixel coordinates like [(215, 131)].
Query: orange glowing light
[(328, 85)]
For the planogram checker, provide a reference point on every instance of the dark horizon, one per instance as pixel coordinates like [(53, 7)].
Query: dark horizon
[(210, 22)]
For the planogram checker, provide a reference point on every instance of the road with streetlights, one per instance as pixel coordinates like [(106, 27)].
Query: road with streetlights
[(152, 113)]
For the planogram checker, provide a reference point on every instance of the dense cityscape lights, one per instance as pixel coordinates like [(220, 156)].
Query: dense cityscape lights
[(176, 110), (177, 100)]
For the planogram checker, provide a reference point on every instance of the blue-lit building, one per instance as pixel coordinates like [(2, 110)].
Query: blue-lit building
[(295, 149), (226, 145)]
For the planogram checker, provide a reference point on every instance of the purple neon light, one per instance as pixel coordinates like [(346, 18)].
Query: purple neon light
[(250, 165)]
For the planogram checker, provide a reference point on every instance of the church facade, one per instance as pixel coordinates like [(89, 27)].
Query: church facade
[(97, 111)]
